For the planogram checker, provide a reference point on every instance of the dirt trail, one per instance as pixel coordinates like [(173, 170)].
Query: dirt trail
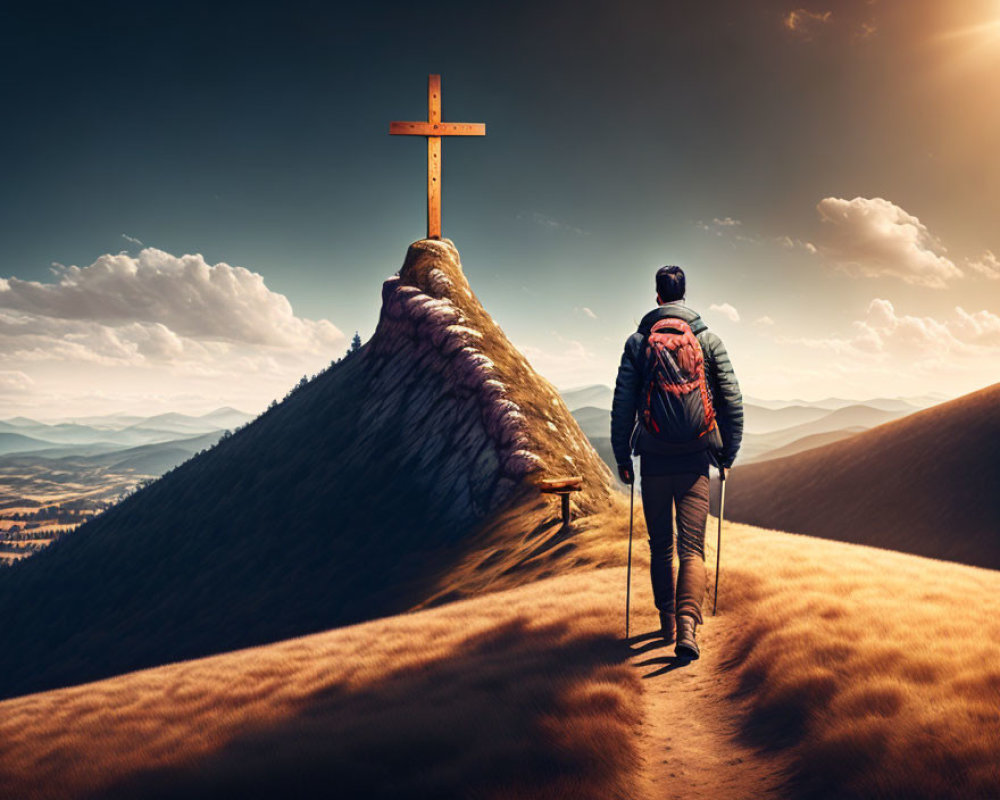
[(689, 733)]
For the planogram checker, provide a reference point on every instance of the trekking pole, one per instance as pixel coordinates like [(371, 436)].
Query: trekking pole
[(718, 543), (628, 579)]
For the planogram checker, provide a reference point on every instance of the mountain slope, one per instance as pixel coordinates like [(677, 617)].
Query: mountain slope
[(18, 442), (594, 422), (760, 419), (597, 395), (923, 484), (350, 500), (797, 446)]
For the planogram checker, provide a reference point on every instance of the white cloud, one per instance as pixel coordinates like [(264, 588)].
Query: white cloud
[(719, 225), (885, 335), (15, 382), (987, 265), (729, 229), (158, 324), (551, 224), (727, 310), (567, 362), (874, 237), (588, 312), (982, 327), (764, 321), (883, 352), (131, 239), (185, 294), (866, 29), (805, 23), (791, 244)]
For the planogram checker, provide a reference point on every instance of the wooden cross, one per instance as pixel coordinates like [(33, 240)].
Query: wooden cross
[(434, 129)]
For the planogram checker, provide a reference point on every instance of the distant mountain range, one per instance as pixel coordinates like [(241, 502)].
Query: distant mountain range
[(144, 460), (596, 395), (771, 427), (833, 403), (89, 463), (86, 436)]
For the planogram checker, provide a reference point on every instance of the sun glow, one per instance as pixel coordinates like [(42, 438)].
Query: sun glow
[(972, 47), (982, 32)]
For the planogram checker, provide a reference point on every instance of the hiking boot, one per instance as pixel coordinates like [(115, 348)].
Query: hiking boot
[(668, 626), (687, 645)]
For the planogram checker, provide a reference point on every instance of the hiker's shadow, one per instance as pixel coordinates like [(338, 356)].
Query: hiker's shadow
[(644, 643), (669, 663)]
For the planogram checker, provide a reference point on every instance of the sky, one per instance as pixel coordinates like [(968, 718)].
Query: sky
[(201, 200)]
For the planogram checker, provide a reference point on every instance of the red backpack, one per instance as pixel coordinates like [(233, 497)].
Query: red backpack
[(676, 404)]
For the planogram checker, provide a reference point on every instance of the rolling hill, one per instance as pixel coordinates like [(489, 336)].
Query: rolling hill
[(352, 499), (759, 419), (17, 442), (121, 430), (923, 484), (798, 445), (833, 425), (595, 396), (594, 422)]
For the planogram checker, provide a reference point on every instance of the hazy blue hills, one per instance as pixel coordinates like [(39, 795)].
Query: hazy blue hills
[(145, 460), (596, 395), (772, 427), (17, 442), (112, 431)]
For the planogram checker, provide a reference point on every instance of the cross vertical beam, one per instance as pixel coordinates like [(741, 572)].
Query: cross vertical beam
[(434, 159), (434, 129)]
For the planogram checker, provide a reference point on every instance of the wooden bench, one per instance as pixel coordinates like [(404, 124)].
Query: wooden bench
[(562, 487)]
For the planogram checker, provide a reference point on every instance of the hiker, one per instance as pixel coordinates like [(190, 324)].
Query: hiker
[(678, 406)]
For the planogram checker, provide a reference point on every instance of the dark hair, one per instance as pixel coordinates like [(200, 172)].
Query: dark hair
[(670, 283)]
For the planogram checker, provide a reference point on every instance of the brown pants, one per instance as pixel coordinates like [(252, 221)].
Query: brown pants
[(689, 493)]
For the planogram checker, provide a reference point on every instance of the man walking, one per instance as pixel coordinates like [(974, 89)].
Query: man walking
[(678, 406)]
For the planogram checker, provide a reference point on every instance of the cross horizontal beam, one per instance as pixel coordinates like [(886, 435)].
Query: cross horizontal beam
[(438, 128)]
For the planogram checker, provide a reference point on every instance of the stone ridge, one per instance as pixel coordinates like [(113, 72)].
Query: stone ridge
[(418, 302), (429, 307)]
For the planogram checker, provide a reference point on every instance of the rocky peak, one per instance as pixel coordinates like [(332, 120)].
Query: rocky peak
[(506, 426)]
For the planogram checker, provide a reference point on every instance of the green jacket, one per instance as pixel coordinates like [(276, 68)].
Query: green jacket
[(726, 396)]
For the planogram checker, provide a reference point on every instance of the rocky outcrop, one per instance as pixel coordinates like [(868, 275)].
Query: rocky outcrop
[(442, 363)]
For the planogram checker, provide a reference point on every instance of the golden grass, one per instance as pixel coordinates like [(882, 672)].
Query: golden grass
[(875, 673), (528, 543), (879, 670), (506, 696)]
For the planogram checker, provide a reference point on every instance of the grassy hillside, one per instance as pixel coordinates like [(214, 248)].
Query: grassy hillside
[(879, 672), (346, 502), (832, 671), (924, 484), (507, 696)]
